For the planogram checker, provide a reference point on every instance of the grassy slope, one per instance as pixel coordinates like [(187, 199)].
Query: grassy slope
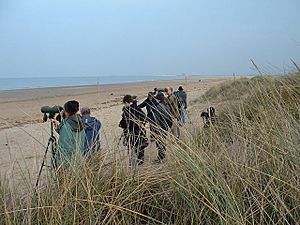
[(243, 170)]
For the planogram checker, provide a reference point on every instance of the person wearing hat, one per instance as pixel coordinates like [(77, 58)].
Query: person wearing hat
[(182, 103), (92, 128), (71, 134), (133, 122)]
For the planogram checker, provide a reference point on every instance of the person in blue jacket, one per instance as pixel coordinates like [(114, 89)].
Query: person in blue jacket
[(92, 128), (182, 103)]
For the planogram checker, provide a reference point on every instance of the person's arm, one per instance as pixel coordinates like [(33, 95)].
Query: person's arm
[(56, 125), (97, 125), (174, 107), (185, 100), (143, 104), (141, 116), (155, 102), (123, 122)]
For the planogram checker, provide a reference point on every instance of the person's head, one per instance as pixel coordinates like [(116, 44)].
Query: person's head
[(85, 111), (127, 100), (150, 95), (180, 88), (71, 108), (169, 91), (160, 96)]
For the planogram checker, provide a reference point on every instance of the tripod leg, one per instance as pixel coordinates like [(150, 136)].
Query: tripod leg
[(120, 139), (53, 152), (43, 163)]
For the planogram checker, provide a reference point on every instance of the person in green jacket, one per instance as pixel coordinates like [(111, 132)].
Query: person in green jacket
[(71, 135), (173, 105)]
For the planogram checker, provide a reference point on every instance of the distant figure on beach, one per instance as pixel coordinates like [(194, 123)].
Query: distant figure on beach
[(71, 134), (182, 103), (173, 105), (150, 104), (132, 122), (163, 122), (92, 128)]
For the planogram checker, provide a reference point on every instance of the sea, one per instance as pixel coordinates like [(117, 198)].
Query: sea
[(43, 82)]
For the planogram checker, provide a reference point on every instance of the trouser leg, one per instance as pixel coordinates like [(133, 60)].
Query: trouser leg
[(140, 154), (182, 116), (175, 129), (152, 132), (161, 144), (160, 141), (161, 150), (140, 143)]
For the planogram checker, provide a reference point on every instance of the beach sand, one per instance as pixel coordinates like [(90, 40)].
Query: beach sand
[(23, 136)]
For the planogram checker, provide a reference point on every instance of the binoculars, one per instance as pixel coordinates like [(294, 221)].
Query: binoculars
[(51, 111)]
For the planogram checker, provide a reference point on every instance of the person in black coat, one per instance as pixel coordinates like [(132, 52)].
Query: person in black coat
[(132, 122), (150, 103), (163, 122)]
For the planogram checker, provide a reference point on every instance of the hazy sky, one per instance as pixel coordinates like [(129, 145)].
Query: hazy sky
[(146, 37)]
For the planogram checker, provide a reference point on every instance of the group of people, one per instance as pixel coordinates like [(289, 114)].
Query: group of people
[(166, 110), (80, 133)]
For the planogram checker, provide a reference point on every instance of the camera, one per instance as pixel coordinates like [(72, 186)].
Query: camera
[(49, 112)]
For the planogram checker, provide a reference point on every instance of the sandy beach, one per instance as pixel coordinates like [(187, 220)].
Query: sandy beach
[(23, 136)]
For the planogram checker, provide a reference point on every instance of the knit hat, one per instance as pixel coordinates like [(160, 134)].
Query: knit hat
[(71, 107), (128, 99), (150, 94), (85, 110), (160, 96)]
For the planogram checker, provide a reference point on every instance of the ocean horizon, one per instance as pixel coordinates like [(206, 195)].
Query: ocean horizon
[(44, 82)]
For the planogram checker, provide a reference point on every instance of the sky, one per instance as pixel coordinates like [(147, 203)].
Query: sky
[(42, 38)]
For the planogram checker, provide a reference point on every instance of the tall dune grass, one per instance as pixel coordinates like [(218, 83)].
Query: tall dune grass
[(245, 169)]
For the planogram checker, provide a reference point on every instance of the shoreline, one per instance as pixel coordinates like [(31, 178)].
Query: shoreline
[(180, 77), (77, 86), (16, 95)]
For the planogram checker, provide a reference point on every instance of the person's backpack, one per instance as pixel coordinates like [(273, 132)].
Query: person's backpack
[(92, 134)]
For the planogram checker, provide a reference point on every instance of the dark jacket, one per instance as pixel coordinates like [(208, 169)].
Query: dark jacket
[(150, 106), (132, 122), (92, 128), (162, 116), (182, 99)]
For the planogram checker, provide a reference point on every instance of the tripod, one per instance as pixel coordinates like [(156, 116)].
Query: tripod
[(52, 144)]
